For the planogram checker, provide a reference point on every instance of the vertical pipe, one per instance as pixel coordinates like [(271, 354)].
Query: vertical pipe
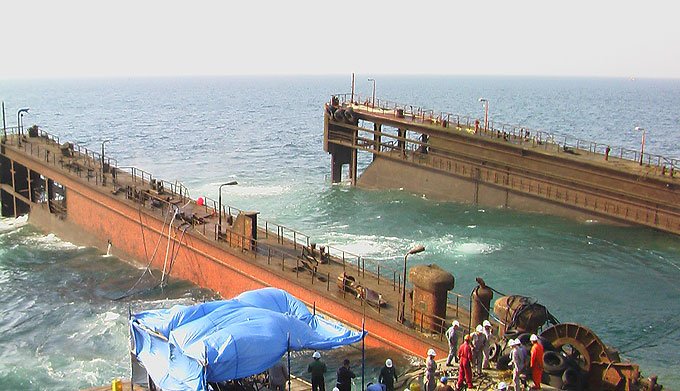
[(363, 350), (352, 99), (289, 385), (4, 124)]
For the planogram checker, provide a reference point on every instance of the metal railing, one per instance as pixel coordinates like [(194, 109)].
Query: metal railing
[(511, 133)]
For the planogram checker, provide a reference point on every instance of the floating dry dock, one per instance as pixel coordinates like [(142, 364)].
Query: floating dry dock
[(87, 198), (448, 157)]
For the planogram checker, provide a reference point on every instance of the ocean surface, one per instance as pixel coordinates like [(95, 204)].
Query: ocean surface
[(60, 328)]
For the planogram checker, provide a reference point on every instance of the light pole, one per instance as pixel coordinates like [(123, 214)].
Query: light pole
[(20, 120), (373, 80), (415, 250), (103, 180), (642, 146), (486, 113), (219, 225)]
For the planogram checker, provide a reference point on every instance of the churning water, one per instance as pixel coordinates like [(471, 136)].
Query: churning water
[(61, 329)]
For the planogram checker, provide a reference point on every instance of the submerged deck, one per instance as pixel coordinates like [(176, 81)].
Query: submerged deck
[(462, 159)]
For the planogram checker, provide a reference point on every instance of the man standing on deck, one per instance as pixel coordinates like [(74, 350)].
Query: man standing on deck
[(317, 368), (430, 369), (278, 376), (388, 375), (452, 338), (478, 345), (465, 363), (488, 333), (345, 376), (536, 361), (517, 362)]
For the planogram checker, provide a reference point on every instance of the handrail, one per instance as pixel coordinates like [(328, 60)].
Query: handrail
[(511, 133)]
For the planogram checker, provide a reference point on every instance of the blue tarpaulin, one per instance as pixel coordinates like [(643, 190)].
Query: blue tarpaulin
[(185, 347)]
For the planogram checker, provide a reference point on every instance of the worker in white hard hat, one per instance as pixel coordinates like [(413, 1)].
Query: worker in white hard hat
[(388, 375), (536, 361), (502, 386), (317, 368), (452, 338), (516, 362), (478, 345), (430, 369), (488, 333)]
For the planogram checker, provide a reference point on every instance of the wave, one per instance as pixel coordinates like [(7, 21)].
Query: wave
[(11, 224), (50, 242)]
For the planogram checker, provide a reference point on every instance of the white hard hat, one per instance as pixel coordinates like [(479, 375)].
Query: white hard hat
[(455, 323), (479, 328), (431, 352), (388, 363), (486, 323), (316, 355), (502, 386), (513, 342), (336, 389), (533, 338)]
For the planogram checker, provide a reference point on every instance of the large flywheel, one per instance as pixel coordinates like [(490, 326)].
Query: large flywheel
[(605, 371)]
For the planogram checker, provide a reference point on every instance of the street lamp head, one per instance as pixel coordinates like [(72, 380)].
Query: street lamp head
[(229, 183), (370, 79), (416, 249), (24, 110), (483, 100), (639, 129)]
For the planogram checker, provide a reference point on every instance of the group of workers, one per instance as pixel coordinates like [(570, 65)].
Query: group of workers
[(317, 369), (475, 353)]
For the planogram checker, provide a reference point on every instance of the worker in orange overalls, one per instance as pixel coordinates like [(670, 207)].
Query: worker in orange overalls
[(465, 363), (536, 361)]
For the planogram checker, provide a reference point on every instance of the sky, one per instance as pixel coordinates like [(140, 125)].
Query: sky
[(71, 38)]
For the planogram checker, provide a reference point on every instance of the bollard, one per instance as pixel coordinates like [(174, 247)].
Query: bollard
[(116, 385)]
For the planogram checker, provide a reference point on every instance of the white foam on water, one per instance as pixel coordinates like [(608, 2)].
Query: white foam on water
[(371, 246), (471, 248), (10, 224), (50, 242)]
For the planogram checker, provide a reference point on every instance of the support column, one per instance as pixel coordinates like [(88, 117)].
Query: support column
[(14, 199), (401, 142), (353, 167), (377, 138)]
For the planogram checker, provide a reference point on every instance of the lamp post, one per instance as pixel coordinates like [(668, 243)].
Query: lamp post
[(373, 80), (642, 146), (415, 250), (103, 180), (219, 225), (486, 112), (20, 120)]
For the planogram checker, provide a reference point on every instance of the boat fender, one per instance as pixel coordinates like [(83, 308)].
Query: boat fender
[(339, 115), (554, 363), (350, 116)]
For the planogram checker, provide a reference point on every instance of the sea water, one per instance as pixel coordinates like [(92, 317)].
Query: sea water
[(61, 327)]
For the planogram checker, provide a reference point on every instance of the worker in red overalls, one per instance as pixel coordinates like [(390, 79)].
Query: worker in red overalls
[(536, 361), (465, 363)]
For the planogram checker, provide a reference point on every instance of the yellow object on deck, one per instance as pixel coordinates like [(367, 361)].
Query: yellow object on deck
[(116, 385), (415, 386)]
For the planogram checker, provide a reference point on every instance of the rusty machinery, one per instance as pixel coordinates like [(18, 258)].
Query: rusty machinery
[(603, 366)]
